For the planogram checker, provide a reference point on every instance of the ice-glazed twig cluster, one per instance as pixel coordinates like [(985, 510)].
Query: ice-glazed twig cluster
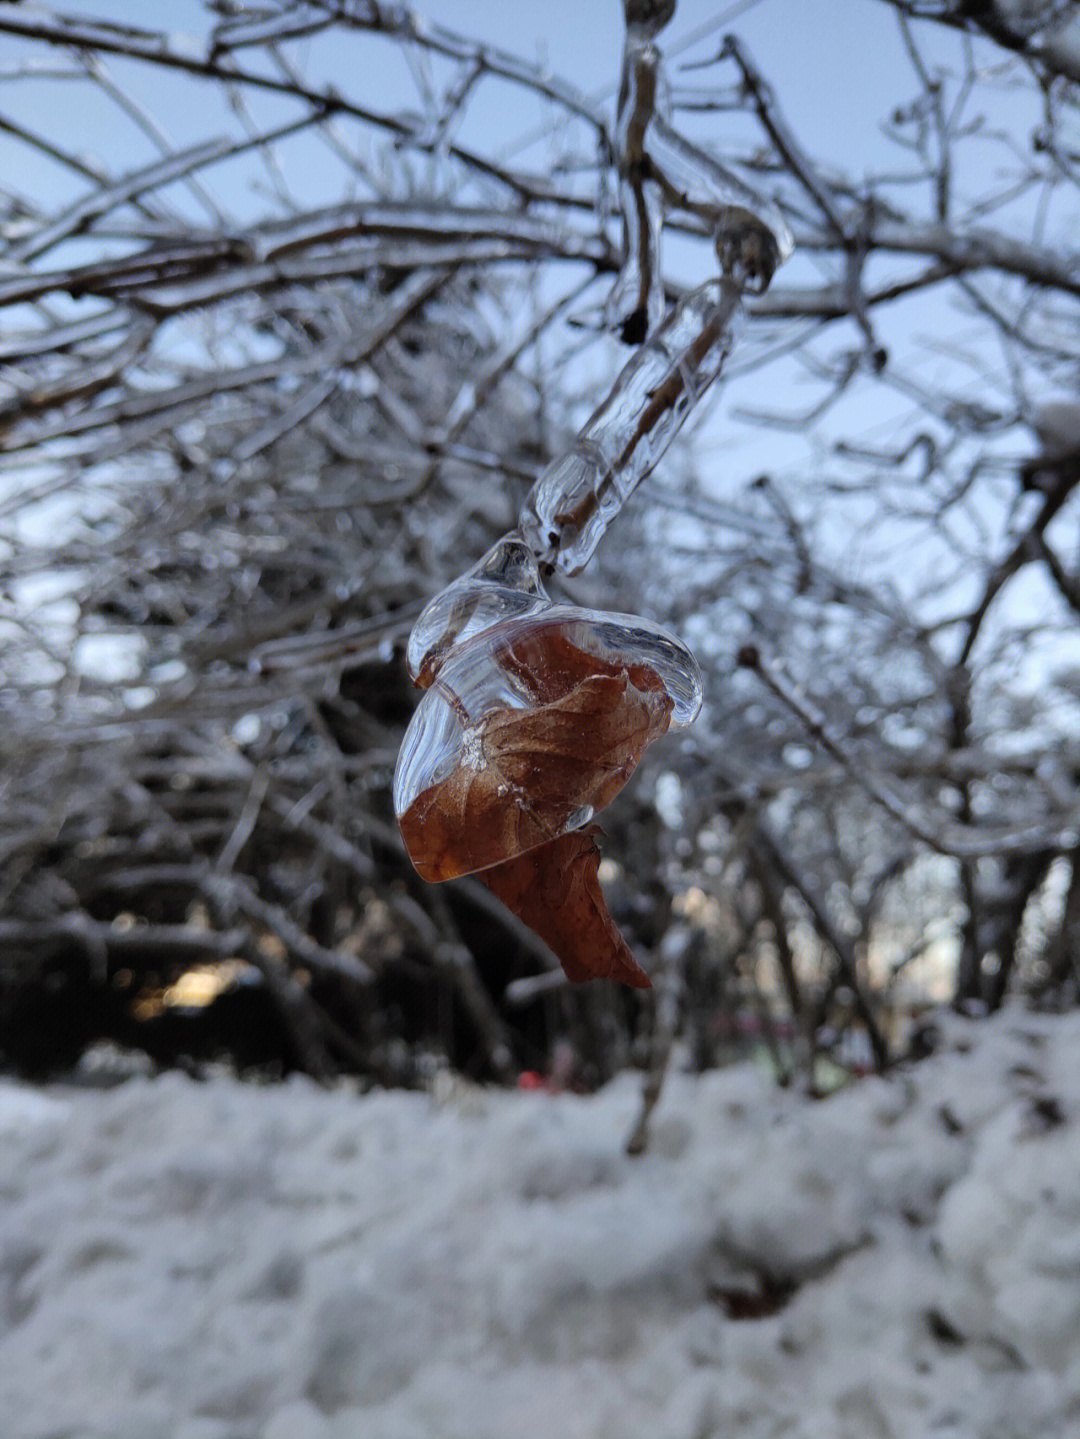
[(536, 714)]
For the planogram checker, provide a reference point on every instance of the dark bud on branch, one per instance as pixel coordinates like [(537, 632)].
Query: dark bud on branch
[(648, 17)]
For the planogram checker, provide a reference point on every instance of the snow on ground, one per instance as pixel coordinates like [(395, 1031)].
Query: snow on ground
[(214, 1261)]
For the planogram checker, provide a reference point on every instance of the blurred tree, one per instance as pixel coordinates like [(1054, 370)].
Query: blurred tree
[(277, 364)]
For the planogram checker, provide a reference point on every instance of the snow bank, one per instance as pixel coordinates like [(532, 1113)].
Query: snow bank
[(215, 1261)]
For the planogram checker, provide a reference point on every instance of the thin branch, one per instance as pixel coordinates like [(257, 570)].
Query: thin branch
[(959, 841)]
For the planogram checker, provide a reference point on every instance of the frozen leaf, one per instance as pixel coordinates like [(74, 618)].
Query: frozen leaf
[(525, 776), (556, 891), (534, 717)]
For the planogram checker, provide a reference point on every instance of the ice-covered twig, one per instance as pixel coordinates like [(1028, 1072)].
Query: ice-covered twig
[(577, 496), (661, 171), (580, 493), (781, 134), (636, 301)]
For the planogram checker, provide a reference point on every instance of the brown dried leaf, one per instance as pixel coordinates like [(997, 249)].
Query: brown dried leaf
[(524, 773), (505, 812), (555, 890)]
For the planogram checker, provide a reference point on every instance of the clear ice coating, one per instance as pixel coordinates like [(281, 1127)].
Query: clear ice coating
[(577, 496), (730, 207), (502, 585), (505, 648), (636, 301)]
